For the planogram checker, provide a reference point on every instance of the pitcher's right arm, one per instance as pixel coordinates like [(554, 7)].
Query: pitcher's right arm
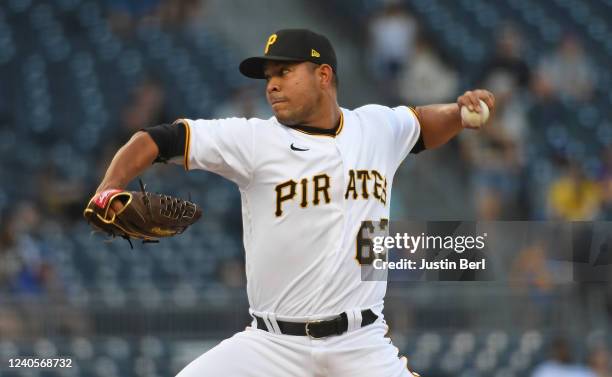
[(130, 161)]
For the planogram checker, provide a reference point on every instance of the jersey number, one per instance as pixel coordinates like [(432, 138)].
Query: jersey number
[(365, 244)]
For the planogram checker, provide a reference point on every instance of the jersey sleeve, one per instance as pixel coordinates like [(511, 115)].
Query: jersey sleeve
[(406, 130), (222, 146)]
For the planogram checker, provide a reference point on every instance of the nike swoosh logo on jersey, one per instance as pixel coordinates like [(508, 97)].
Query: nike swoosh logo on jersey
[(294, 148)]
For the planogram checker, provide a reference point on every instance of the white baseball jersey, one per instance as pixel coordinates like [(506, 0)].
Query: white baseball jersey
[(304, 197)]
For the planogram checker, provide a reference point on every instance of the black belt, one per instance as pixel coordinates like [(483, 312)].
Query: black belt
[(319, 329)]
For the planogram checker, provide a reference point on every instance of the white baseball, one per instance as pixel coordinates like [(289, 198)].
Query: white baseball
[(474, 119)]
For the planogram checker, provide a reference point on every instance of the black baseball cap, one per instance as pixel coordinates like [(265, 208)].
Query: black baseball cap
[(299, 45)]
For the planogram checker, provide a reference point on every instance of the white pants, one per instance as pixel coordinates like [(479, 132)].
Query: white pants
[(364, 352)]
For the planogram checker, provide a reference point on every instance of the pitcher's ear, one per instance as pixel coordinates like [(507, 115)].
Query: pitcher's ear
[(326, 74)]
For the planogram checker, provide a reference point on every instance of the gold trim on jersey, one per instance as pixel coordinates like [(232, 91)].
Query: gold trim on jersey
[(187, 141), (341, 123), (416, 115), (322, 134)]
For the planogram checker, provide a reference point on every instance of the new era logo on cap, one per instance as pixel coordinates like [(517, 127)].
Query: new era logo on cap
[(299, 45)]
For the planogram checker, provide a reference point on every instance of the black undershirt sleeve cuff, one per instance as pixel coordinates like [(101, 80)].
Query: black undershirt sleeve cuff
[(419, 146), (170, 140)]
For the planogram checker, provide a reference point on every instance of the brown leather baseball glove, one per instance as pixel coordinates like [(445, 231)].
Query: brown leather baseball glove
[(142, 215)]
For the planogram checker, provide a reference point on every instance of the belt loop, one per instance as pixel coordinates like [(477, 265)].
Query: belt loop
[(271, 323), (274, 323), (265, 317), (354, 319), (358, 318)]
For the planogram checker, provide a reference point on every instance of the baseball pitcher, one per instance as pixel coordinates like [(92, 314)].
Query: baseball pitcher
[(309, 177)]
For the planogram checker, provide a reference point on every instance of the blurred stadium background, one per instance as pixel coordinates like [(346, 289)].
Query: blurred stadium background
[(78, 77)]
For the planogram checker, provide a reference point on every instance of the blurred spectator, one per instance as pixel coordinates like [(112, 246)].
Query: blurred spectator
[(427, 79), (560, 363), (61, 197), (28, 273), (146, 108), (497, 153), (574, 197), (600, 362), (11, 323), (605, 181), (532, 277), (508, 76), (244, 102), (566, 72), (391, 38), (181, 12), (531, 268), (496, 170), (25, 266), (125, 15), (507, 72)]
